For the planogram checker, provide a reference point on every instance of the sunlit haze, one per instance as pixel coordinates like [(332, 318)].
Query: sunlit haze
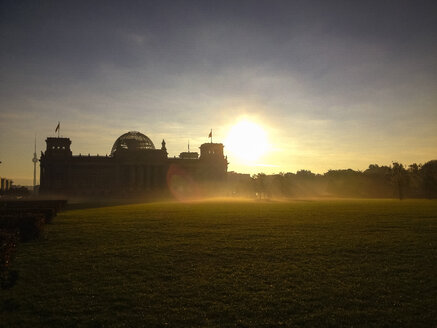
[(284, 85)]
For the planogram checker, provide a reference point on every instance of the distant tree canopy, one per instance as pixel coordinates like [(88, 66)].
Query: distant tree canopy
[(394, 181)]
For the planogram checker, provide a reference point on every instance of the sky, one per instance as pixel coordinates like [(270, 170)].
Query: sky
[(334, 84)]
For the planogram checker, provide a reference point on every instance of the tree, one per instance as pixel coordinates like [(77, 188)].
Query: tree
[(428, 173), (414, 180), (260, 184), (399, 178)]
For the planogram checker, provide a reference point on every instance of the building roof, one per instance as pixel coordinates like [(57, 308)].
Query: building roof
[(132, 141)]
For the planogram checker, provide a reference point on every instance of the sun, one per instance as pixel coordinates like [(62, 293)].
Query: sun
[(247, 141)]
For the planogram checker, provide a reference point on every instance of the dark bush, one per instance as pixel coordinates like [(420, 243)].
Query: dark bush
[(8, 244), (48, 213), (57, 205), (30, 226)]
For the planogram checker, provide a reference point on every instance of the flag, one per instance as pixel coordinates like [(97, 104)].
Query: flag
[(58, 126), (210, 134)]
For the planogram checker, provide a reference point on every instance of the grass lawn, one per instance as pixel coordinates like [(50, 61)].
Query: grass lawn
[(231, 264)]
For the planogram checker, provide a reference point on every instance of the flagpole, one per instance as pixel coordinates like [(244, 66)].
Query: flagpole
[(58, 128)]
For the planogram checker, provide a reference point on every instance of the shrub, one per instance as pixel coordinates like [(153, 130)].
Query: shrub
[(30, 226), (8, 244), (48, 213)]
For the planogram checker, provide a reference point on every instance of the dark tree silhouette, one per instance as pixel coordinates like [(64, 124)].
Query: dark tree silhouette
[(375, 182), (428, 174), (399, 176)]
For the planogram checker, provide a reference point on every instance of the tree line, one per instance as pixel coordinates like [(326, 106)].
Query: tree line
[(394, 181)]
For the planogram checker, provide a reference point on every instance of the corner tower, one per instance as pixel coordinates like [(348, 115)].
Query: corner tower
[(58, 147), (214, 163), (55, 165)]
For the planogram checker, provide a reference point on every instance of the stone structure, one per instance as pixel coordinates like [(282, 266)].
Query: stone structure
[(5, 184), (134, 166)]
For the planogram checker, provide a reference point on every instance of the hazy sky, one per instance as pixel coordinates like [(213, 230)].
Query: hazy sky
[(336, 84)]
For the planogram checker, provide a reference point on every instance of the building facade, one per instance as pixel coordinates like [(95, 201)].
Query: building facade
[(134, 167)]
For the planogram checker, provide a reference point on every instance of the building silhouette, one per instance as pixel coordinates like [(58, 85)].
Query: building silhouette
[(134, 166)]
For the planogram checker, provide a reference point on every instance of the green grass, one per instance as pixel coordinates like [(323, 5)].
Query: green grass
[(226, 264)]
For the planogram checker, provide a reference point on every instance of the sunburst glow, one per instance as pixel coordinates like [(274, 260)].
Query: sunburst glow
[(247, 141)]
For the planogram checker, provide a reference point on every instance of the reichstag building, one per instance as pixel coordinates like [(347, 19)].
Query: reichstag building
[(134, 166)]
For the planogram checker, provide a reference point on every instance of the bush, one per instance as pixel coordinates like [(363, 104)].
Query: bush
[(48, 213), (30, 226), (8, 244)]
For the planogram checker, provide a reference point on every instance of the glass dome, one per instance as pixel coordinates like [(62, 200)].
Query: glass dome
[(132, 141)]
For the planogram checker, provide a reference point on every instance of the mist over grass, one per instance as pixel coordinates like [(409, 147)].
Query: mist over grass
[(240, 263)]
